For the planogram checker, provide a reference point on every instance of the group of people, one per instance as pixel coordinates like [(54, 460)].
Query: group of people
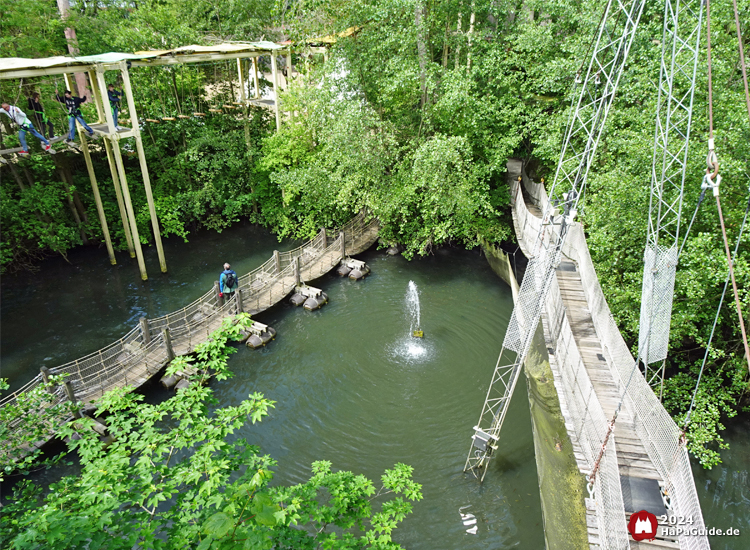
[(72, 104)]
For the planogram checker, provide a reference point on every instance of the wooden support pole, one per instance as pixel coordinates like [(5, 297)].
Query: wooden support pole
[(97, 96), (167, 344), (150, 200), (217, 291), (118, 194), (240, 309), (274, 73), (97, 198), (129, 208), (288, 67), (45, 377), (71, 396), (277, 261), (296, 271), (243, 81), (112, 142), (255, 78), (343, 244), (127, 88), (145, 331)]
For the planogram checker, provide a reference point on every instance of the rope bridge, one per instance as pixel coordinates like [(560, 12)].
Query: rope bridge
[(149, 346), (593, 370)]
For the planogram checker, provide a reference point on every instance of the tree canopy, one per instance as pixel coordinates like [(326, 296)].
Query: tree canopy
[(414, 115)]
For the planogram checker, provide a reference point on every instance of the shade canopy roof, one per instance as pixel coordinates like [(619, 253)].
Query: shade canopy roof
[(19, 67)]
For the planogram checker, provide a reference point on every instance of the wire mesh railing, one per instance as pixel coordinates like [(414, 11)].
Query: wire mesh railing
[(653, 424), (146, 348)]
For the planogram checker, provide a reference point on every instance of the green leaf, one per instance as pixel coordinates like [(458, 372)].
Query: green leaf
[(205, 543), (218, 525)]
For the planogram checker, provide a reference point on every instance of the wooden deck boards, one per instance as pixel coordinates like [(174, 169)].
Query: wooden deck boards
[(141, 367)]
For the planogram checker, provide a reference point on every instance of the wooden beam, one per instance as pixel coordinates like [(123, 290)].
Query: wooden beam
[(97, 197), (274, 72), (255, 78), (243, 81), (129, 207), (49, 71), (97, 97), (118, 194), (142, 160)]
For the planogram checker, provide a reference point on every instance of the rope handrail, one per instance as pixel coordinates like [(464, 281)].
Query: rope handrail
[(96, 370)]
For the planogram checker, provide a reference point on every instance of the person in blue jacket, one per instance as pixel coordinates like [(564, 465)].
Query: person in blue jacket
[(114, 102), (228, 283)]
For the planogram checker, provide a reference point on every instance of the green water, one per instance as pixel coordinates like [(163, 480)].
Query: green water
[(352, 386)]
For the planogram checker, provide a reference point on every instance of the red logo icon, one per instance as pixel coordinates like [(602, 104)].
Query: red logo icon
[(643, 525)]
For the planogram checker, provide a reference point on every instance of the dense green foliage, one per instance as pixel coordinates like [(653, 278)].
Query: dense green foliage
[(413, 115), (171, 479)]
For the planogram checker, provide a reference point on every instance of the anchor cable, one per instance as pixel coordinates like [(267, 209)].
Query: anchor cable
[(716, 319), (713, 168)]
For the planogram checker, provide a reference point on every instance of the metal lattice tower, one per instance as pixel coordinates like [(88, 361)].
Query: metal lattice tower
[(674, 113), (589, 112)]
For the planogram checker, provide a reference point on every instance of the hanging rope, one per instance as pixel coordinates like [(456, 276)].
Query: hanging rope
[(716, 320), (712, 172)]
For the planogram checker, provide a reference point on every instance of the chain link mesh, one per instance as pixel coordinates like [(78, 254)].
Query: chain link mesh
[(659, 267)]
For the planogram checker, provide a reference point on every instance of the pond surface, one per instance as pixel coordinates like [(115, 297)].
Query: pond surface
[(352, 385)]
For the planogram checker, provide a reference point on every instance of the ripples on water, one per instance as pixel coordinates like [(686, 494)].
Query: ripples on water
[(354, 387)]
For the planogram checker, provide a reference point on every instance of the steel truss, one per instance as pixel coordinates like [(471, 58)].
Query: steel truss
[(674, 114), (588, 115)]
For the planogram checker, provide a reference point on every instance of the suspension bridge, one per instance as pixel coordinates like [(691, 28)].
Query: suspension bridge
[(148, 347), (644, 465), (630, 450)]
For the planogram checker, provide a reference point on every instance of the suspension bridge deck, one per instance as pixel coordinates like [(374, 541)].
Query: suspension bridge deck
[(146, 349), (644, 465)]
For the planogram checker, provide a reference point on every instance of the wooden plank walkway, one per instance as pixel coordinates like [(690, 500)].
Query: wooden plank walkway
[(632, 458), (140, 355)]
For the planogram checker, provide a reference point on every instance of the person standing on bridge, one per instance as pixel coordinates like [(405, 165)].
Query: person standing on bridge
[(44, 123), (114, 102), (228, 283)]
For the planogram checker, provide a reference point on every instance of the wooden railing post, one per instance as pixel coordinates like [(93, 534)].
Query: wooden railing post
[(296, 271), (240, 309), (167, 344), (325, 236), (145, 332), (45, 377), (71, 396), (343, 244), (217, 289), (277, 261)]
